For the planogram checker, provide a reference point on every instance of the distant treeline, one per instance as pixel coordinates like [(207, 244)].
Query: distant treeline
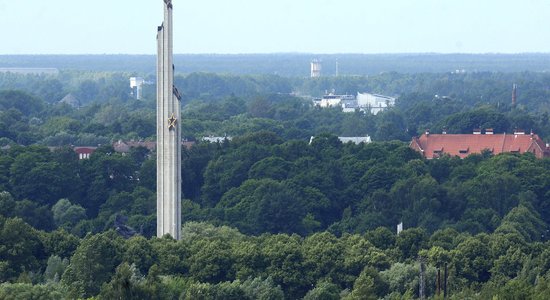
[(234, 105), (288, 64)]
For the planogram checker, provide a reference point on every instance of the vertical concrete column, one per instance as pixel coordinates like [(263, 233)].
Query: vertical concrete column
[(168, 134)]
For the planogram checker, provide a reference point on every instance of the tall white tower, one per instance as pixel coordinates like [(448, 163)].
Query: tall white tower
[(168, 134), (315, 68), (137, 84)]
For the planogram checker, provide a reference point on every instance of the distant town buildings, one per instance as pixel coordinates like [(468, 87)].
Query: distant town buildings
[(461, 145), (365, 102)]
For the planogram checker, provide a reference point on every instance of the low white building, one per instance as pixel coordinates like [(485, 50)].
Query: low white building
[(332, 100), (374, 103), (355, 139), (349, 139), (216, 139), (350, 107), (365, 102)]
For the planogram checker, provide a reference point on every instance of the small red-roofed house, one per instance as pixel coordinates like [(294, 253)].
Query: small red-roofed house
[(462, 145), (84, 152)]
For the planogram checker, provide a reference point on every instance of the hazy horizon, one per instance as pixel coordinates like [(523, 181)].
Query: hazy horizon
[(282, 53), (63, 27)]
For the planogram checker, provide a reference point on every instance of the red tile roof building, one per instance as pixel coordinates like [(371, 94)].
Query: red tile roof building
[(84, 152), (462, 145)]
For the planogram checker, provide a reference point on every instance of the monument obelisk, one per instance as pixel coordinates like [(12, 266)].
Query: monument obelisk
[(168, 134)]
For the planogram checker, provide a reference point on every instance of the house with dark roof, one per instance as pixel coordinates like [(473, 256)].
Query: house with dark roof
[(462, 145)]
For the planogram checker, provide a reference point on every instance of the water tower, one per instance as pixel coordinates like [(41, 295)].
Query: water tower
[(315, 68), (136, 83)]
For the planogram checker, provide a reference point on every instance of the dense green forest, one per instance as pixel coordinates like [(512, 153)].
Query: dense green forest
[(234, 105), (270, 215), (286, 219)]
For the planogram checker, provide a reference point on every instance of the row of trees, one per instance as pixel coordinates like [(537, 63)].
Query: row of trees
[(260, 183), (222, 263)]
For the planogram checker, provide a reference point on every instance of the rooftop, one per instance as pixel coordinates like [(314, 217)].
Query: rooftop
[(462, 145)]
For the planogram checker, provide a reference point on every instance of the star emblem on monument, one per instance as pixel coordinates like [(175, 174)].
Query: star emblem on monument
[(172, 122)]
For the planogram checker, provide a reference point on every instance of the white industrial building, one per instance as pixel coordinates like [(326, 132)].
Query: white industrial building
[(374, 103), (365, 102), (332, 100)]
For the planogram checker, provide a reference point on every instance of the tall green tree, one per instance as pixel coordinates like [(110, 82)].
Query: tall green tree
[(92, 264)]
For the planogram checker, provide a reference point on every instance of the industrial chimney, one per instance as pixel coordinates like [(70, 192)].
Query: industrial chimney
[(514, 94)]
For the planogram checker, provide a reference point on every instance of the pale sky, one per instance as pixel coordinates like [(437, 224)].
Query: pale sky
[(268, 26)]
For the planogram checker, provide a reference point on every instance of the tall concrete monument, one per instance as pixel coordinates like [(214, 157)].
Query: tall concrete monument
[(168, 134)]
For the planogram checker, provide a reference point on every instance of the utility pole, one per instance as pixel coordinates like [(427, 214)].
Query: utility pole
[(445, 282), (422, 290), (438, 283)]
